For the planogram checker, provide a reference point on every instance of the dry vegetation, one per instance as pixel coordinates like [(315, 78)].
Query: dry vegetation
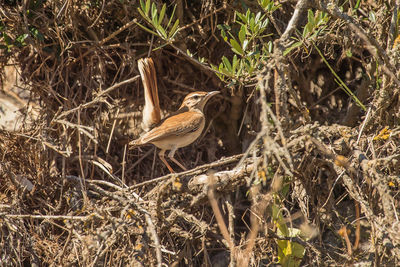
[(286, 150)]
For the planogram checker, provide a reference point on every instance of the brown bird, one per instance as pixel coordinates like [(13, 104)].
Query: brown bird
[(178, 130)]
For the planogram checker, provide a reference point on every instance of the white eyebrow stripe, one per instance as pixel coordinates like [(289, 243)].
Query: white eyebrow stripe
[(197, 94)]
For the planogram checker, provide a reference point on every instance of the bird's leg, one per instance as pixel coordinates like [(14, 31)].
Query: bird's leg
[(171, 156), (162, 157)]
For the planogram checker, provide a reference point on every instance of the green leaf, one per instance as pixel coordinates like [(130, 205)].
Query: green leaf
[(221, 66), (293, 46), (172, 15), (226, 72), (310, 16), (161, 31), (245, 43), (258, 17), (223, 29), (252, 25), (142, 5), (242, 17), (248, 66), (242, 34), (235, 63), (290, 253), (37, 34), (142, 13), (263, 3), (240, 69), (154, 14), (248, 14), (236, 47), (162, 13), (174, 29), (357, 5), (227, 64), (308, 29), (270, 47), (285, 190), (21, 39), (147, 8), (146, 29)]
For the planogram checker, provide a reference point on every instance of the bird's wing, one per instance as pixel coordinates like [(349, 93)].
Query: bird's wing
[(179, 124)]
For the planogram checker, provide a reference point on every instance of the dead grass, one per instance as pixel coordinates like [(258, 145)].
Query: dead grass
[(72, 193)]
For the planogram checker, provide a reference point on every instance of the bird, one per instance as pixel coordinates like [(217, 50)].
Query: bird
[(178, 130)]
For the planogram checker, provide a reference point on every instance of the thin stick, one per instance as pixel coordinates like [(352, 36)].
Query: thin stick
[(123, 164), (83, 187), (46, 217), (217, 213), (111, 134), (363, 124), (98, 97), (189, 172)]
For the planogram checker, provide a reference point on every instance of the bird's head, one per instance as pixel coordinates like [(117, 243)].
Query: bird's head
[(197, 100)]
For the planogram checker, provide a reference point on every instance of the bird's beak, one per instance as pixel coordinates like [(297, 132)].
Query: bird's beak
[(211, 94)]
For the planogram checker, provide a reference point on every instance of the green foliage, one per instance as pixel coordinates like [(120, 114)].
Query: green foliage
[(248, 43), (36, 34), (20, 40), (7, 43), (155, 18), (316, 25), (357, 4), (200, 59), (268, 5), (290, 253)]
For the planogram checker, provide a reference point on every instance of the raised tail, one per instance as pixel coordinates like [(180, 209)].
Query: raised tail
[(151, 111)]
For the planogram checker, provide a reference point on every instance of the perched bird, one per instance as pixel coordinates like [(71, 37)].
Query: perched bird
[(178, 130)]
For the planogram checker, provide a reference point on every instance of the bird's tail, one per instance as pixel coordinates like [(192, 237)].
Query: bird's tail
[(151, 111)]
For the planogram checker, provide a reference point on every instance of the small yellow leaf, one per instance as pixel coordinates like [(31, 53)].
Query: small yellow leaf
[(177, 185), (341, 161), (384, 134), (396, 41), (129, 214), (262, 175)]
